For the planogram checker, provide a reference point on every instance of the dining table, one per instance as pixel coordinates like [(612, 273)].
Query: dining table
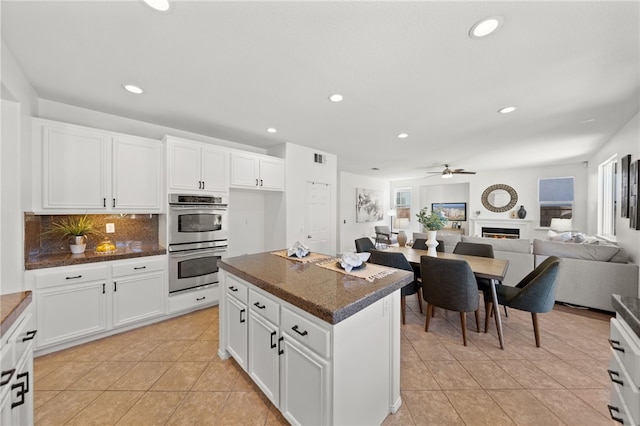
[(482, 267)]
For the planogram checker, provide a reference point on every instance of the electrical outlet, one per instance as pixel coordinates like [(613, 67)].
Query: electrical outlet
[(111, 228)]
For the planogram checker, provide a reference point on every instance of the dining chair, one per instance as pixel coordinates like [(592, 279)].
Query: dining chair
[(364, 244), (398, 261), (384, 235), (421, 244), (535, 293), (450, 284), (480, 250)]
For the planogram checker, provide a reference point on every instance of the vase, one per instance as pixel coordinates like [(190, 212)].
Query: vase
[(522, 213), (78, 244), (432, 243), (402, 238)]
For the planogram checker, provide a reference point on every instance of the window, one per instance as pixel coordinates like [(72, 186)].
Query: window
[(403, 208), (555, 196), (607, 197)]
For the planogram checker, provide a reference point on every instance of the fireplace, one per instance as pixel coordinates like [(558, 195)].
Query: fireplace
[(501, 233)]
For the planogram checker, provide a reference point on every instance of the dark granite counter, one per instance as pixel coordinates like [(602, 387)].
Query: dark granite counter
[(629, 309), (11, 306), (89, 256), (329, 295)]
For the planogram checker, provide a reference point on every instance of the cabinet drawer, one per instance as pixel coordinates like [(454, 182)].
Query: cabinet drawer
[(70, 275), (306, 332), (264, 306), (626, 387), (138, 266), (618, 409), (236, 288), (625, 345), (202, 296)]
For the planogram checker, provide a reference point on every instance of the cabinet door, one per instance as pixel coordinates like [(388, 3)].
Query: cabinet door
[(137, 174), (184, 166), (271, 174), (236, 324), (263, 356), (21, 405), (215, 169), (69, 312), (245, 169), (304, 397), (137, 297), (74, 168)]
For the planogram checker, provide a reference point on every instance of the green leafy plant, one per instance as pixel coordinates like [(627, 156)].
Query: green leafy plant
[(432, 221), (73, 226)]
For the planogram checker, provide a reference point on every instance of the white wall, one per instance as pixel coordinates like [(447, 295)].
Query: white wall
[(626, 141), (19, 103), (523, 181), (348, 229), (300, 169)]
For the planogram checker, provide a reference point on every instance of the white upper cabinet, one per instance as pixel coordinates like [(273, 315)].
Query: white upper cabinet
[(197, 168), (257, 171), (95, 171), (137, 174)]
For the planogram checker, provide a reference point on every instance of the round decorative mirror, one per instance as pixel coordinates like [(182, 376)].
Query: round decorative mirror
[(499, 198)]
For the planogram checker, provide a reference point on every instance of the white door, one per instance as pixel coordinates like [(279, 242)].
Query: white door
[(137, 297), (263, 356), (236, 324), (317, 218)]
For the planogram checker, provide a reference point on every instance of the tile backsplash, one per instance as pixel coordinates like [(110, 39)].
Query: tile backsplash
[(129, 228)]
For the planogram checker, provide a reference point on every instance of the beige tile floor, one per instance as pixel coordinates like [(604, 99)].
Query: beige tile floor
[(169, 373)]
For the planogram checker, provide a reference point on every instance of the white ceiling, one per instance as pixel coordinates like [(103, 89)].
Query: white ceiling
[(232, 69)]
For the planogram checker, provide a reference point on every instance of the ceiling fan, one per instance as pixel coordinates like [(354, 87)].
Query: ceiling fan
[(448, 173)]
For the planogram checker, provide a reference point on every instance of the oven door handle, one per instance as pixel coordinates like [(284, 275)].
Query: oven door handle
[(199, 252), (201, 207)]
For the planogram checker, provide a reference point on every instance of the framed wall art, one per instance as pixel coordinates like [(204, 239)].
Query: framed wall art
[(369, 205), (452, 211), (624, 186), (634, 197)]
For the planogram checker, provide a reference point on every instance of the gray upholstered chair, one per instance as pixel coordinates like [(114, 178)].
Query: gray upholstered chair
[(397, 260), (384, 235), (535, 293), (450, 284), (364, 244), (421, 244), (480, 250)]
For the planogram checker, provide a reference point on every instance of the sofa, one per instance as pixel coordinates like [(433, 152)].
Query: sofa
[(590, 272)]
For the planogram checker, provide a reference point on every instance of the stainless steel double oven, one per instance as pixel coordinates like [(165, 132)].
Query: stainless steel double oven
[(197, 240)]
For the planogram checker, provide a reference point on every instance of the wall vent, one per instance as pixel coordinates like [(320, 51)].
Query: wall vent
[(319, 158)]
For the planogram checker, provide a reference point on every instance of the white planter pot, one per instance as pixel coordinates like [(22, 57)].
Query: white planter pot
[(78, 244)]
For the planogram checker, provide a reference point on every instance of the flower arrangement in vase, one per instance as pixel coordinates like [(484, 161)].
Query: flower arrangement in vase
[(433, 222), (76, 229)]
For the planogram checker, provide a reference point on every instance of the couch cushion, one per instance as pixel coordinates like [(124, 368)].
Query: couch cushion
[(517, 245), (597, 252)]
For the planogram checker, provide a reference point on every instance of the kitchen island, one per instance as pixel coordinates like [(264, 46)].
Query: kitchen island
[(323, 345)]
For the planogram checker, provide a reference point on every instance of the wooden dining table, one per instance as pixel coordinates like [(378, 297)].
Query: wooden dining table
[(482, 267)]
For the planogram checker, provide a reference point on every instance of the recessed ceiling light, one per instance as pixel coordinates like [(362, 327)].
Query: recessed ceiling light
[(336, 97), (160, 5), (485, 27), (131, 88), (271, 130), (403, 136), (507, 109), (588, 120)]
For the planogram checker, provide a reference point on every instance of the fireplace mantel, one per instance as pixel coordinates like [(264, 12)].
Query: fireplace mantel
[(522, 225)]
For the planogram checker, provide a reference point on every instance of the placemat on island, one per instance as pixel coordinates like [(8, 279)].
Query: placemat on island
[(370, 272), (311, 257)]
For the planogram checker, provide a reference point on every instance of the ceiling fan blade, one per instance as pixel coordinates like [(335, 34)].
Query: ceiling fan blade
[(462, 172)]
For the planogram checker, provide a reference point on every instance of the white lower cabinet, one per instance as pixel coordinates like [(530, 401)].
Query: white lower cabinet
[(624, 372), (16, 383), (314, 372), (74, 302)]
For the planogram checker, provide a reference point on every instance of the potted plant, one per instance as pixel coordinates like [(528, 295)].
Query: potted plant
[(433, 222), (76, 229)]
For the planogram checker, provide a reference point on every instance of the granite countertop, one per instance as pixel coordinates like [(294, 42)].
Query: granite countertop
[(39, 261), (329, 295), (629, 309), (11, 306)]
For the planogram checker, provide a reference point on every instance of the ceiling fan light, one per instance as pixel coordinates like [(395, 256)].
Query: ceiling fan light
[(447, 174), (485, 27)]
